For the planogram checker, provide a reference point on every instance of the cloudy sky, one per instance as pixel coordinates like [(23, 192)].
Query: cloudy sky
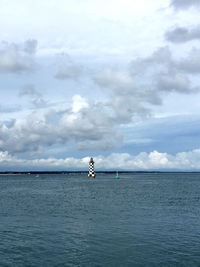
[(114, 79)]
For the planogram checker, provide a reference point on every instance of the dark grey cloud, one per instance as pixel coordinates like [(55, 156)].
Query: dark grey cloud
[(34, 95), (68, 72), (134, 91), (169, 82), (182, 34), (127, 99), (190, 64), (162, 60), (29, 90), (184, 4), (16, 58), (91, 127)]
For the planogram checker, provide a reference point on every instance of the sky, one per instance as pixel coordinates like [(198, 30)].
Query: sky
[(117, 80)]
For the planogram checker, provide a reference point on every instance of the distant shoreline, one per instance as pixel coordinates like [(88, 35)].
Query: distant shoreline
[(105, 172)]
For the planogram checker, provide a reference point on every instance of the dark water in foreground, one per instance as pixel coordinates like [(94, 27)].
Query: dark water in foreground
[(69, 220)]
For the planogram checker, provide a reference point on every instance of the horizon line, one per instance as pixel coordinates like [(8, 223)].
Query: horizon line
[(100, 171)]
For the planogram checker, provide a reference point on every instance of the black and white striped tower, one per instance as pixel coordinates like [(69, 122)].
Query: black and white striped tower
[(91, 173)]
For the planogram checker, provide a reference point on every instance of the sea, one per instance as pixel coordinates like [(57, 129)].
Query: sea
[(140, 219)]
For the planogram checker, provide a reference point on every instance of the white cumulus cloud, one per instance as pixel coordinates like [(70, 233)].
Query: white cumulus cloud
[(121, 161)]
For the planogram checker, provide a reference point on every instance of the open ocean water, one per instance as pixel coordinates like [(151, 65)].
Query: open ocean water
[(142, 219)]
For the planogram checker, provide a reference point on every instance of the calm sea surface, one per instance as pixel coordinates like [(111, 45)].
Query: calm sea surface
[(145, 219)]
